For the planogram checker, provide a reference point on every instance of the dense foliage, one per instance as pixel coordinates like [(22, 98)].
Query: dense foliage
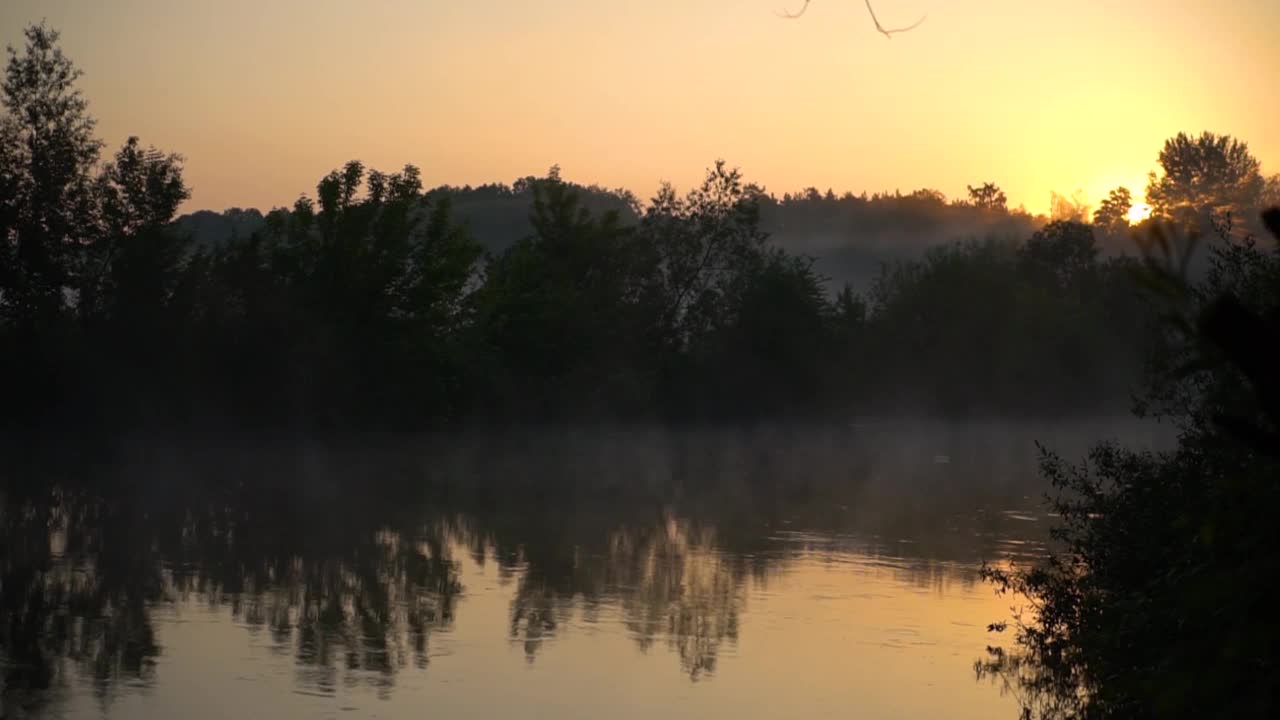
[(372, 304), (1159, 600), (377, 303)]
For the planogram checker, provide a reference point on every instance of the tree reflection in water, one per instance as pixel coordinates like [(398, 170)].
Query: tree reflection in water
[(352, 584), (81, 577), (667, 580)]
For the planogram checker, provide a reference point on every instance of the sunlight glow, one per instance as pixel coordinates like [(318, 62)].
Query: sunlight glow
[(632, 94), (1139, 212)]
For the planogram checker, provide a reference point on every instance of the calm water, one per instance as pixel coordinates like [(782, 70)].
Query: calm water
[(613, 575)]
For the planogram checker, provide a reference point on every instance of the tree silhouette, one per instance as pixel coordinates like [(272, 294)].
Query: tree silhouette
[(703, 243), (988, 196), (135, 254), (1070, 209), (47, 156), (560, 311), (1271, 192), (1163, 557), (1113, 212), (371, 304), (1206, 174), (47, 215)]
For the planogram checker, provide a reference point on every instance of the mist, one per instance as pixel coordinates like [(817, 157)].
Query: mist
[(560, 449)]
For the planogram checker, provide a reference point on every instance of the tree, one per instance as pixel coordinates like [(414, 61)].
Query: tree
[(375, 283), (141, 188), (1271, 192), (558, 312), (1068, 209), (1153, 601), (929, 196), (1113, 212), (47, 155), (134, 257), (768, 358), (1063, 253), (988, 196), (1208, 174), (47, 216), (130, 269), (703, 243)]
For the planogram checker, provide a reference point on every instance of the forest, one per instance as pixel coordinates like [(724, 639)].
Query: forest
[(374, 303)]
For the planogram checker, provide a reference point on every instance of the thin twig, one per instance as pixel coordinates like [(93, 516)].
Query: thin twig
[(793, 16), (887, 32), (890, 32)]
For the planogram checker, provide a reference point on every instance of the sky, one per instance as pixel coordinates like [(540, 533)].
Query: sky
[(263, 97)]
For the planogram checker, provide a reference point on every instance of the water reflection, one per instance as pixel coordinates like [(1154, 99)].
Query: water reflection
[(352, 584), (64, 601), (669, 581)]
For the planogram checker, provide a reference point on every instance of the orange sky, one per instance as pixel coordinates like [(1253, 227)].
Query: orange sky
[(265, 96)]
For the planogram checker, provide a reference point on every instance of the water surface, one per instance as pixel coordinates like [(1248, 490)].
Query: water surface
[(595, 575)]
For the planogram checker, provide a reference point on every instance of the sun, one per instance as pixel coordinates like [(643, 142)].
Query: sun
[(1138, 213)]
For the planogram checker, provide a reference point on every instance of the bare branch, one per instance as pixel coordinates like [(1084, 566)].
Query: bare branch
[(887, 32), (890, 32), (794, 15)]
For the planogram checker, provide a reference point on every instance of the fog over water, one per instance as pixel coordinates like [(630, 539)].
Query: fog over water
[(572, 573)]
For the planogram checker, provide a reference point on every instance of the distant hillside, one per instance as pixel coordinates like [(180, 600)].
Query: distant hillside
[(850, 237), (498, 214), (207, 228)]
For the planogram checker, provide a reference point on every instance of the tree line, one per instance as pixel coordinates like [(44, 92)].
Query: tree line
[(372, 304), (850, 237)]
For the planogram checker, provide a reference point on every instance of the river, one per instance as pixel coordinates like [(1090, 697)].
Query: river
[(620, 574)]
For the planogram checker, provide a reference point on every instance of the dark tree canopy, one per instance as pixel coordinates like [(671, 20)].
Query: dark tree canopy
[(1154, 601), (375, 303), (1271, 192), (987, 196), (1113, 212), (1208, 173), (47, 156)]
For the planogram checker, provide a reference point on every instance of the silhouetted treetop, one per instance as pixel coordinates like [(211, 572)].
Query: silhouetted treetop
[(47, 156), (1113, 212), (1202, 174), (987, 196), (373, 302)]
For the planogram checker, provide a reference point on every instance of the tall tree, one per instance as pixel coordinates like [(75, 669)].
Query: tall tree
[(135, 256), (374, 283), (558, 314), (47, 156), (1205, 174), (704, 242)]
